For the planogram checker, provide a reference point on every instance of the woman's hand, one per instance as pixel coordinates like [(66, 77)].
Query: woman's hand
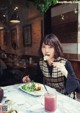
[(26, 79), (61, 67)]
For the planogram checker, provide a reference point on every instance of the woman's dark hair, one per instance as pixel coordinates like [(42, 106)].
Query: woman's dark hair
[(52, 41)]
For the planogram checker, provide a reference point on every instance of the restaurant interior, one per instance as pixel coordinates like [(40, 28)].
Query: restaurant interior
[(20, 40)]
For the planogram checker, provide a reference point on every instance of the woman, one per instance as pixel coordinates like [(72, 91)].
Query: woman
[(56, 71)]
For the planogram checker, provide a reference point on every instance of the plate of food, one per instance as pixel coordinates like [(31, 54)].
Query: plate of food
[(33, 88)]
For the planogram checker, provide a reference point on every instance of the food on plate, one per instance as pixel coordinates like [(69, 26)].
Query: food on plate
[(37, 87), (31, 86), (46, 58)]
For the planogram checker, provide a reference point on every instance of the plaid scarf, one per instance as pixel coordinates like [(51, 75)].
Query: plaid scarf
[(57, 79)]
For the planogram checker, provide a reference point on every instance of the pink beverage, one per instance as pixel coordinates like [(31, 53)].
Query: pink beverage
[(50, 102)]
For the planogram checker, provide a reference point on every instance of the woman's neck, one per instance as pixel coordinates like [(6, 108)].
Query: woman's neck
[(50, 61)]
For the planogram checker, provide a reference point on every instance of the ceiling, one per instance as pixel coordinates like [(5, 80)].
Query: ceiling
[(7, 8)]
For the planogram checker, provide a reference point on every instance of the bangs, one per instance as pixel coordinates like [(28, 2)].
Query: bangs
[(48, 42)]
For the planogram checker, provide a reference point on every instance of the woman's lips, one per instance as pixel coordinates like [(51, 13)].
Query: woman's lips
[(47, 55)]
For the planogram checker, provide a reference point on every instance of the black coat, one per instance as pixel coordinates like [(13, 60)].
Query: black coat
[(71, 83)]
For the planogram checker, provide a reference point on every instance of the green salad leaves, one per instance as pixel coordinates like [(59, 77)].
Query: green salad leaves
[(29, 86)]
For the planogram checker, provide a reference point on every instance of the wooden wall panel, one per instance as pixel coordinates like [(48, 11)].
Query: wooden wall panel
[(66, 29)]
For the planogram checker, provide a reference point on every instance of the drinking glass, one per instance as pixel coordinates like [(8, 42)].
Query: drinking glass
[(50, 101), (1, 94)]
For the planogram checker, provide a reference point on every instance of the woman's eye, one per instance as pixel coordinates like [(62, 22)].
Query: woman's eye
[(43, 46)]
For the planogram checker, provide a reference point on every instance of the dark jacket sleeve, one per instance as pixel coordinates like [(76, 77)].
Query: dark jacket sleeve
[(72, 83)]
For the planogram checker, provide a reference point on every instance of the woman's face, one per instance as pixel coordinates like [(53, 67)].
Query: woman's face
[(48, 50)]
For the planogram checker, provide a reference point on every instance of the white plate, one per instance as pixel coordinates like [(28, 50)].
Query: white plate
[(34, 93)]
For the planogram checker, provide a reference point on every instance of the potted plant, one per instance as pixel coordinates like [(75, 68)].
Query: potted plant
[(43, 5)]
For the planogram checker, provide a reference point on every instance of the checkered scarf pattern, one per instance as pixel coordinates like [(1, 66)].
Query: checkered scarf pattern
[(56, 80)]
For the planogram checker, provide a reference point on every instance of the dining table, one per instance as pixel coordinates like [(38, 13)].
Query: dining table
[(24, 102)]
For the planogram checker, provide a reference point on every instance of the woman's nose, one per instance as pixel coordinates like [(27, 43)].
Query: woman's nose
[(46, 49)]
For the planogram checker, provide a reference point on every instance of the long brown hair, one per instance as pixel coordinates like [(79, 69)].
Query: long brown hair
[(53, 41)]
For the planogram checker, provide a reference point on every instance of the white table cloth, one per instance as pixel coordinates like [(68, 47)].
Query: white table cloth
[(26, 103)]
